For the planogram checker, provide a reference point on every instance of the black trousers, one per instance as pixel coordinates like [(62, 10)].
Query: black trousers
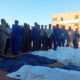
[(8, 41), (49, 43), (75, 43)]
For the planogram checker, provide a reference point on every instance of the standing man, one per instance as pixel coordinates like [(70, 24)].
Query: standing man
[(45, 39), (56, 36), (25, 38), (63, 35), (70, 37), (30, 38), (76, 40), (3, 36), (8, 40), (16, 37), (36, 37), (42, 37), (49, 36)]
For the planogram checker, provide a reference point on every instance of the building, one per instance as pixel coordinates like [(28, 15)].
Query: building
[(68, 19)]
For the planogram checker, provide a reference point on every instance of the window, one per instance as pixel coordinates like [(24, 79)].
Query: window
[(76, 17), (61, 18), (54, 19)]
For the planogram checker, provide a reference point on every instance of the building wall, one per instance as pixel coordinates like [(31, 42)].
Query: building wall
[(68, 19)]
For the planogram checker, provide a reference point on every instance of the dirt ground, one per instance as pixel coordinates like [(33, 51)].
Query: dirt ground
[(3, 76)]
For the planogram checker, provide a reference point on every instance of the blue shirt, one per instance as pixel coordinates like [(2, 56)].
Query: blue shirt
[(16, 31)]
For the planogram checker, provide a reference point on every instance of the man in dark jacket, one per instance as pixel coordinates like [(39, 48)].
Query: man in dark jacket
[(71, 36), (16, 37), (57, 36), (45, 39), (36, 37), (49, 37), (3, 36), (63, 35), (76, 39), (8, 41), (25, 37), (42, 37), (30, 38)]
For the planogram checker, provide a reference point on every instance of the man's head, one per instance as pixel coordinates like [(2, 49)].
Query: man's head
[(28, 26), (63, 27), (53, 27), (16, 22), (42, 26), (76, 29), (3, 21), (35, 24), (25, 24), (70, 28), (49, 26), (57, 26), (45, 26)]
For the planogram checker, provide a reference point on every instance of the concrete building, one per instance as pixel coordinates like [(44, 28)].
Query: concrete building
[(68, 19)]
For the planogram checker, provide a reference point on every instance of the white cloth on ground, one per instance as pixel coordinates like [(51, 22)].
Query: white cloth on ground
[(44, 73)]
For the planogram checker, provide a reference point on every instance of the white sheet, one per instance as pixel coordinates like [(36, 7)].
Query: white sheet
[(44, 73), (65, 55)]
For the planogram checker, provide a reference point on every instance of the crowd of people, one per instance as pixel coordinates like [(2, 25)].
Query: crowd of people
[(25, 39)]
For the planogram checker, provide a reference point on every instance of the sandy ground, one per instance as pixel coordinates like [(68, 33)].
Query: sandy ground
[(3, 76)]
